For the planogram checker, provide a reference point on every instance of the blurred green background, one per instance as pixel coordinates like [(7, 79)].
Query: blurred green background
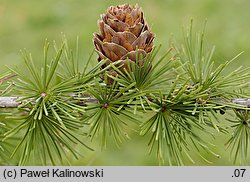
[(27, 23)]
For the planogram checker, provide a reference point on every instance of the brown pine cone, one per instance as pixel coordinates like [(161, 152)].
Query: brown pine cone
[(124, 34)]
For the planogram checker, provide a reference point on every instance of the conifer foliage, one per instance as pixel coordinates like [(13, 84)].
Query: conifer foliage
[(174, 99)]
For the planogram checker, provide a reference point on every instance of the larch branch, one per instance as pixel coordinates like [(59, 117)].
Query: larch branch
[(13, 102)]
